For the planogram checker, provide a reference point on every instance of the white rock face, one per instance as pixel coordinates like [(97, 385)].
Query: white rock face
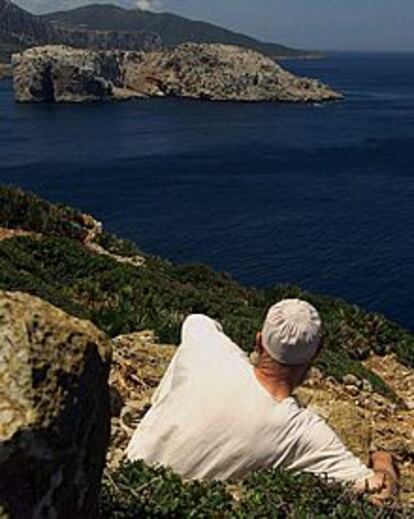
[(199, 71), (62, 74), (220, 73)]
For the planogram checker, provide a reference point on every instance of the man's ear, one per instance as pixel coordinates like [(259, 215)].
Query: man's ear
[(259, 343)]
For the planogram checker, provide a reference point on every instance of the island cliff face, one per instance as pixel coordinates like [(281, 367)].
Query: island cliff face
[(199, 71)]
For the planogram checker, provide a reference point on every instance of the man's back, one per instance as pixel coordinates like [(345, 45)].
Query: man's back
[(212, 419)]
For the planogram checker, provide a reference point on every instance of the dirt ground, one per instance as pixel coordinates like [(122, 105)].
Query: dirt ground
[(6, 234), (89, 244), (364, 420)]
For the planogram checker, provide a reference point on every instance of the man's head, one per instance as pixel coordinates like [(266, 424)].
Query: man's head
[(289, 340), (291, 332)]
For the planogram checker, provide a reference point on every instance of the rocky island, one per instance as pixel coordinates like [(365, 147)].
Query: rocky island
[(215, 72), (70, 293)]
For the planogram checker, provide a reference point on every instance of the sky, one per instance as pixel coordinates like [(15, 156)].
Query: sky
[(320, 24), (364, 25)]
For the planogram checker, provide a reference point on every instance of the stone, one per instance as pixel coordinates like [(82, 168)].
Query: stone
[(352, 390), (314, 377), (378, 400), (214, 72), (367, 386), (54, 410), (352, 380)]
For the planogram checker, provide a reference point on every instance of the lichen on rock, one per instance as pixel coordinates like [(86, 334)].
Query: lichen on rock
[(54, 409)]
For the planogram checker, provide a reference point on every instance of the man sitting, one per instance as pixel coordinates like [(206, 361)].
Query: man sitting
[(215, 416)]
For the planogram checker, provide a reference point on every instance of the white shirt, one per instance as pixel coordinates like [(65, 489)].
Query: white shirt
[(212, 419)]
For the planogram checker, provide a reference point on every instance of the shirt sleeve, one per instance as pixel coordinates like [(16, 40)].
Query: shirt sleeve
[(317, 449), (166, 383), (196, 336), (196, 327)]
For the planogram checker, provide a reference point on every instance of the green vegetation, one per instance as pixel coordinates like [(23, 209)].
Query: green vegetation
[(117, 246), (138, 491), (120, 298), (20, 210)]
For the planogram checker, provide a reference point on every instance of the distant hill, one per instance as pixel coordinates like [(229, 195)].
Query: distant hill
[(50, 6), (20, 29), (173, 29), (101, 26)]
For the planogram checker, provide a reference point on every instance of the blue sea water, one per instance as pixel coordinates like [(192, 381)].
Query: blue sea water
[(319, 196)]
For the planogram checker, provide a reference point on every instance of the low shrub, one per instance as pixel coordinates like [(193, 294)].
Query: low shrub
[(22, 210), (136, 491)]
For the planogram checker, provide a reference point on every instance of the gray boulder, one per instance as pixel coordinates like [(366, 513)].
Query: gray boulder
[(54, 410)]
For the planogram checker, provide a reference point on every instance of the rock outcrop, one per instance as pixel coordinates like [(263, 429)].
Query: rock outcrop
[(198, 71), (220, 73), (63, 74), (54, 410)]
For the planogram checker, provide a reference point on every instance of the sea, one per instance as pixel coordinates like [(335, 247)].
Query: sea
[(320, 196)]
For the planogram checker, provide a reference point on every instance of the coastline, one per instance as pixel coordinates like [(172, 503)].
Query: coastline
[(5, 71)]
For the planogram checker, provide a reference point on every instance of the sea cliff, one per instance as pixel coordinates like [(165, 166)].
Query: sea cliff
[(198, 71)]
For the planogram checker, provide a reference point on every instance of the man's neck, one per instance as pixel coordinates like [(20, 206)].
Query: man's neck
[(277, 387)]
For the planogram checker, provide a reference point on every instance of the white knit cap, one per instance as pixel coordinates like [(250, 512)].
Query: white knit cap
[(291, 332)]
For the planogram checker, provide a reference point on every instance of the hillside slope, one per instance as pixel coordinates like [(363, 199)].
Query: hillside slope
[(55, 262), (50, 6), (173, 29), (20, 29), (64, 257)]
